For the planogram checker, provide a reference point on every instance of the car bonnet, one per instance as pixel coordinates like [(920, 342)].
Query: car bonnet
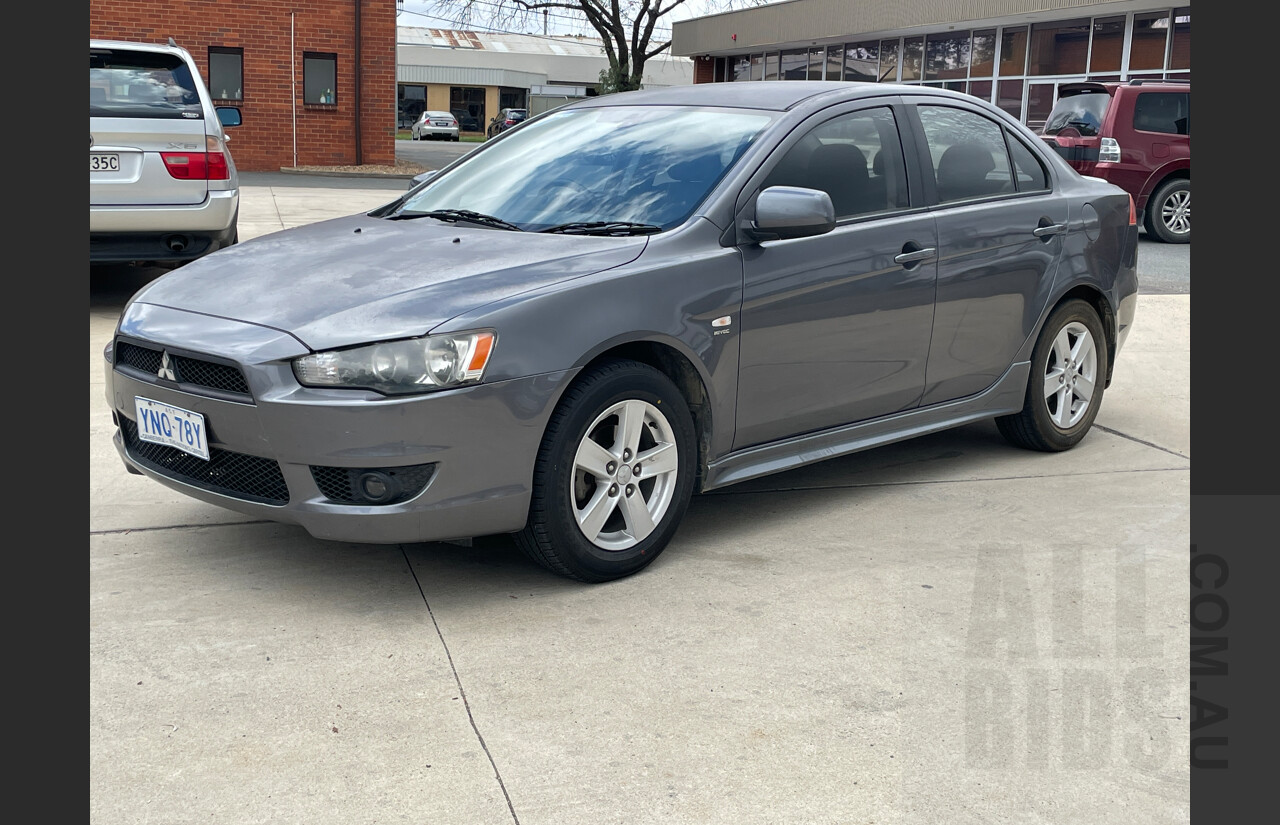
[(360, 279)]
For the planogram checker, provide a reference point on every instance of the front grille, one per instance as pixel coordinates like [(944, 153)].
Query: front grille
[(340, 483), (234, 474), (186, 370)]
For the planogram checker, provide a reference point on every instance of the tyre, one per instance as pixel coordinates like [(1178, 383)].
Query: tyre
[(613, 476), (1068, 371), (1168, 216)]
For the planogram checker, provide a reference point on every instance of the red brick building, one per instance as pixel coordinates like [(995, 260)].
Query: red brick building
[(315, 80)]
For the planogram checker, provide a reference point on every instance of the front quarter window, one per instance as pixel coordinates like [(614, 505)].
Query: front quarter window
[(646, 165)]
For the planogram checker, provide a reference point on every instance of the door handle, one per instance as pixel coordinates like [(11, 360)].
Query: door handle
[(1049, 230), (915, 256)]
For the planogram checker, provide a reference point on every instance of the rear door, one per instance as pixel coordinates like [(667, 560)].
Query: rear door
[(1001, 227), (142, 104)]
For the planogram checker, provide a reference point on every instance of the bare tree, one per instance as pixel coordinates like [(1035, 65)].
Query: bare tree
[(629, 29)]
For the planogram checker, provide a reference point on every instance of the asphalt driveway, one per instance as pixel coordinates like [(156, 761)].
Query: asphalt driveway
[(945, 630)]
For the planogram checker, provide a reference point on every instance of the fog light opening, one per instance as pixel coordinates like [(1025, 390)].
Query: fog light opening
[(377, 487)]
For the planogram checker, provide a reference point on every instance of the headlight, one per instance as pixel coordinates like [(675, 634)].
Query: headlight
[(435, 362)]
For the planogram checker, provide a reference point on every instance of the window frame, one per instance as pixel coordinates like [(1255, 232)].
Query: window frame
[(231, 51), (744, 203), (332, 57), (929, 182)]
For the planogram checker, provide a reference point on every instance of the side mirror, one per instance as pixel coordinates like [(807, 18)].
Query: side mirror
[(422, 177), (784, 212), (229, 115)]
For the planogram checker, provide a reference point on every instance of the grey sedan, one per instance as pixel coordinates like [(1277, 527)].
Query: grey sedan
[(568, 332)]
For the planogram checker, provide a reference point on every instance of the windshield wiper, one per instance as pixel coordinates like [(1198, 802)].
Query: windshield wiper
[(456, 215), (604, 228)]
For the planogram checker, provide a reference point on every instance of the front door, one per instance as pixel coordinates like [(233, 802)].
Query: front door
[(835, 328)]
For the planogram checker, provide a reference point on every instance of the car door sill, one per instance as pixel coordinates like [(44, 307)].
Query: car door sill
[(1003, 397)]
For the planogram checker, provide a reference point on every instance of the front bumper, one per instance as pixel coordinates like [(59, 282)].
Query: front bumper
[(480, 442)]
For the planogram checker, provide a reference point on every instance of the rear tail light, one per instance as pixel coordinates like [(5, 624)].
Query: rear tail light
[(1133, 213), (1109, 151), (210, 164)]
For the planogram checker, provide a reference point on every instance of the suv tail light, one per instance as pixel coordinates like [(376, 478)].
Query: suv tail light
[(1109, 151), (210, 164)]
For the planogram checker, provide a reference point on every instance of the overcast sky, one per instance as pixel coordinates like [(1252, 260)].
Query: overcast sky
[(427, 13)]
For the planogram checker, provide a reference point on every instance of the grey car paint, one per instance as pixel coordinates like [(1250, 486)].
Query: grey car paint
[(559, 303)]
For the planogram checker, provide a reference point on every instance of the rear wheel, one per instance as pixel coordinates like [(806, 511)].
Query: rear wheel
[(1168, 216), (613, 476), (1068, 371)]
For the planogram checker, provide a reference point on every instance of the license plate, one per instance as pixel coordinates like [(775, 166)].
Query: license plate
[(104, 163), (171, 426)]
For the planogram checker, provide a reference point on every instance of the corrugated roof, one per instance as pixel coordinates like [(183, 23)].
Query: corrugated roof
[(492, 41)]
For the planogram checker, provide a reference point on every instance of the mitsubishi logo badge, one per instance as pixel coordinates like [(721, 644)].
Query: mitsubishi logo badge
[(166, 368)]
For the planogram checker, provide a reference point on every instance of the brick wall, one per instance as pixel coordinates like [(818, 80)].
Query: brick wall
[(326, 135)]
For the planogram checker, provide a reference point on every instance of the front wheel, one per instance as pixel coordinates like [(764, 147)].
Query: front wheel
[(614, 474), (1168, 215), (1068, 374)]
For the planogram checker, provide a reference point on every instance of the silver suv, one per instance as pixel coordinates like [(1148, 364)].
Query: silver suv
[(162, 185)]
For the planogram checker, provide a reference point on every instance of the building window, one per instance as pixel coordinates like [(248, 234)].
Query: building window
[(410, 103), (771, 66), (888, 61), (1059, 47), (741, 68), (912, 58), (861, 61), (982, 62), (1150, 32), (226, 73), (1180, 55), (1013, 52), (817, 61), (319, 78), (795, 64), (757, 67), (1009, 96), (946, 56), (467, 105), (835, 62), (1108, 44), (980, 89)]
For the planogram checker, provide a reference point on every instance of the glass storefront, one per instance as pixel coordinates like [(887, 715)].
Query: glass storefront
[(1028, 62)]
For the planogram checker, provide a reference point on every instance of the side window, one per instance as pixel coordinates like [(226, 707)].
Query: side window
[(1169, 113), (968, 153), (1030, 173), (854, 158)]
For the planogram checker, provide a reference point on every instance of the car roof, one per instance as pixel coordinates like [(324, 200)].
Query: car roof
[(163, 48), (769, 95)]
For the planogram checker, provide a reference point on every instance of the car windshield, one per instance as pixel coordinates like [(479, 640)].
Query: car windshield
[(141, 84), (1082, 112), (647, 165)]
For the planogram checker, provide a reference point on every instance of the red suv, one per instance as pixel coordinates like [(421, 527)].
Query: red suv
[(1136, 135)]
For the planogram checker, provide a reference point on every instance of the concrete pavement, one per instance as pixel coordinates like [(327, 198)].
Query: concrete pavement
[(948, 630)]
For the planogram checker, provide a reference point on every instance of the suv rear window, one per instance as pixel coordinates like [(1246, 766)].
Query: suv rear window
[(141, 84), (516, 114), (1082, 112)]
